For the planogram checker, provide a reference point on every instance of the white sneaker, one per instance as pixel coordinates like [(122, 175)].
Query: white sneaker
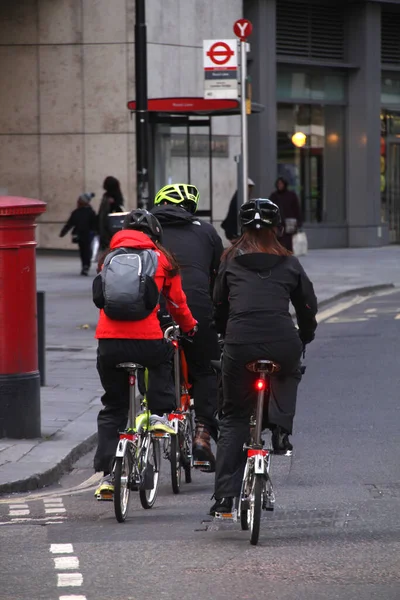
[(158, 423)]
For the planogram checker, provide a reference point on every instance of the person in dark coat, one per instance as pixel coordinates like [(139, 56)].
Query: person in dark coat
[(257, 280), (112, 202), (230, 223), (197, 248), (83, 222), (289, 205)]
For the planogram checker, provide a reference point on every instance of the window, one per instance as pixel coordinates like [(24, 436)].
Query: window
[(313, 160), (298, 85)]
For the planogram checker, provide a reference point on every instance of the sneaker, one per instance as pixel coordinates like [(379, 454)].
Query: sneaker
[(221, 505), (105, 491), (280, 442), (158, 423), (202, 447)]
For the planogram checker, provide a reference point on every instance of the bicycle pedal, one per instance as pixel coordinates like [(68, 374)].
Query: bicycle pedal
[(105, 497), (202, 464), (232, 516), (160, 435)]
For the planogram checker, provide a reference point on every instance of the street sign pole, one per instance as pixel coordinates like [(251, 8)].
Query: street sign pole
[(243, 73), (242, 29), (142, 116)]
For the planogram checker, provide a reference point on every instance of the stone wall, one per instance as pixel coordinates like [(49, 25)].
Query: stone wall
[(66, 74)]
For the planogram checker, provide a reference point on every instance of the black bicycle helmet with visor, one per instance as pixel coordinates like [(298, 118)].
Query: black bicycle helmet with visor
[(140, 219), (259, 213)]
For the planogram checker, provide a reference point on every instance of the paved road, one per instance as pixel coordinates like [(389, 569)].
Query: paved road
[(335, 533)]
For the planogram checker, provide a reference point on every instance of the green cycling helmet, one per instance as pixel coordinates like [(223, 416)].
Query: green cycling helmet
[(179, 193)]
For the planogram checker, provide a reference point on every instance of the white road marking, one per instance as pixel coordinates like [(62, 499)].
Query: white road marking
[(66, 562), (347, 319), (86, 486), (72, 598), (18, 512), (53, 511), (61, 548), (18, 506), (54, 522), (69, 579), (53, 502), (370, 311), (340, 307)]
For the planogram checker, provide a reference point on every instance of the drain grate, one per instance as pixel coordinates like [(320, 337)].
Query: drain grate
[(384, 490)]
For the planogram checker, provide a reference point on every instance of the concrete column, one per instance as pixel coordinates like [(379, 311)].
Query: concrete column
[(262, 70), (363, 137)]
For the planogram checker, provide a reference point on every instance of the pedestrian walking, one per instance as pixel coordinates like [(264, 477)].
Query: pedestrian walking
[(230, 223), (83, 222), (112, 202), (289, 207)]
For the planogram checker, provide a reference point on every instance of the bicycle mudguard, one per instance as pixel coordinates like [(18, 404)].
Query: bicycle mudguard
[(147, 478), (121, 448)]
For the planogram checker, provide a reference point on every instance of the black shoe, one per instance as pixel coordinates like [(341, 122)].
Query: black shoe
[(222, 505), (280, 441)]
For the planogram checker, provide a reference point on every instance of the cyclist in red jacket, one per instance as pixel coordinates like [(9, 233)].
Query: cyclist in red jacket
[(138, 341)]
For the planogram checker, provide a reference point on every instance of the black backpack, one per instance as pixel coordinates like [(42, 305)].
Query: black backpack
[(125, 288)]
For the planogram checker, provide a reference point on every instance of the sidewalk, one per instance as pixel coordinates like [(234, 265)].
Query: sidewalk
[(71, 399)]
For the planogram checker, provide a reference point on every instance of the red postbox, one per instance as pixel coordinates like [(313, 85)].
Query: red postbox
[(19, 375)]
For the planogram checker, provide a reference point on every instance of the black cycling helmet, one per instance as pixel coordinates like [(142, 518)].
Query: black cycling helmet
[(259, 213), (140, 219)]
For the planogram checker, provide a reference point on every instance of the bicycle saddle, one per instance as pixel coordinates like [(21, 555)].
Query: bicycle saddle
[(129, 366), (263, 366)]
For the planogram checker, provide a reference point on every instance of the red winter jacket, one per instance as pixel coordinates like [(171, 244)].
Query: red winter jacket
[(171, 287)]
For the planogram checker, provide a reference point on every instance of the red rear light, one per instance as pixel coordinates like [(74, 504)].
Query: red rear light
[(260, 385), (175, 343)]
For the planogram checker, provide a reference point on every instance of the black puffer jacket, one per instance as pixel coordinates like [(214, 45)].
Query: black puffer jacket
[(197, 247), (252, 295)]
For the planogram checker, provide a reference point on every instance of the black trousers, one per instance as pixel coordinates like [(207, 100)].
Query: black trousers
[(156, 356), (239, 398), (199, 353), (85, 251)]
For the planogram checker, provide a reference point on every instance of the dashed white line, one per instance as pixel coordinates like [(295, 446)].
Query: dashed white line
[(61, 549), (72, 598), (18, 512), (69, 579), (66, 562), (53, 511)]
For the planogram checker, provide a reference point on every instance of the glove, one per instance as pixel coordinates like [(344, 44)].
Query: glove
[(306, 338), (193, 331)]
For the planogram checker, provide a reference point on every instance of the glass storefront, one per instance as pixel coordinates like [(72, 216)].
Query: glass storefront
[(390, 172), (311, 141)]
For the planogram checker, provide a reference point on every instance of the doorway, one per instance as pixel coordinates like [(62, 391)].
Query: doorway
[(393, 190)]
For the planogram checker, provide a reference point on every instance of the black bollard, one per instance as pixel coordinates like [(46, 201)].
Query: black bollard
[(40, 299)]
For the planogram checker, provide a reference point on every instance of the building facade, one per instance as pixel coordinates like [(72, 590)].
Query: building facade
[(326, 70), (330, 70), (66, 74)]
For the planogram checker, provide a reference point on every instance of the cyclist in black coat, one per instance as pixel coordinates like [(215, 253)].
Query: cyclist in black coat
[(197, 248), (258, 279)]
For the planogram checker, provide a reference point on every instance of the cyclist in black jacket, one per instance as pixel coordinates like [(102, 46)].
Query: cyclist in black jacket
[(197, 248), (258, 279)]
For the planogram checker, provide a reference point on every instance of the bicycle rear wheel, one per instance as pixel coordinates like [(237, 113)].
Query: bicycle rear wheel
[(122, 491), (187, 447), (255, 508), (151, 466), (175, 460)]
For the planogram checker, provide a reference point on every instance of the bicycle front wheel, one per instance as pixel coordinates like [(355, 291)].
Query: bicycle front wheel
[(151, 466), (255, 508), (121, 487), (175, 460)]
